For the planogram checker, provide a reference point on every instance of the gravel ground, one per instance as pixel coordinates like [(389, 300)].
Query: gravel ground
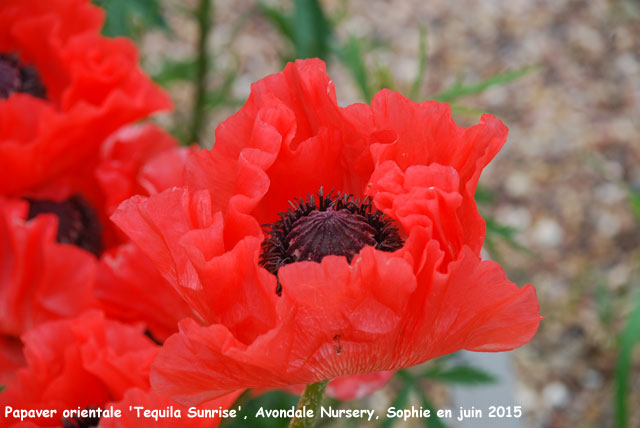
[(561, 180)]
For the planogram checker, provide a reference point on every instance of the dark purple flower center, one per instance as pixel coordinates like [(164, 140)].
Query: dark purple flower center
[(17, 77), (78, 223), (322, 233), (336, 225)]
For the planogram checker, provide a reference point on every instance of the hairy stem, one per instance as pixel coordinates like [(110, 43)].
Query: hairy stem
[(311, 399), (202, 67)]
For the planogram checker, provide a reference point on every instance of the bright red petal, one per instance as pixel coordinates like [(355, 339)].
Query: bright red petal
[(131, 289), (82, 362), (93, 85), (41, 279)]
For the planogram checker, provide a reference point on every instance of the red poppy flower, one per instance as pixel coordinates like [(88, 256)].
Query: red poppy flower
[(63, 89), (80, 362), (92, 362), (40, 279), (372, 258), (44, 278)]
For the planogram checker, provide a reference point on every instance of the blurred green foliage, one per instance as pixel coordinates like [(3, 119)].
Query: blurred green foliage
[(629, 339), (466, 375), (173, 70), (409, 383), (634, 201), (251, 405), (440, 370), (460, 90), (497, 232), (423, 51), (604, 303), (307, 28), (310, 33), (352, 56), (131, 18)]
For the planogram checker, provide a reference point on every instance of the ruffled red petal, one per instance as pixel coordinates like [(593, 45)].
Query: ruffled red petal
[(409, 133), (130, 289), (125, 154), (94, 86), (40, 279), (291, 126), (331, 326), (232, 289), (81, 362)]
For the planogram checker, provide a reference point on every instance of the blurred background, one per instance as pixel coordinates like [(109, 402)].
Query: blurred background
[(561, 200)]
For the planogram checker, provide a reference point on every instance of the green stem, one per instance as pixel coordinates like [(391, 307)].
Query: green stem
[(202, 67), (311, 399), (624, 366)]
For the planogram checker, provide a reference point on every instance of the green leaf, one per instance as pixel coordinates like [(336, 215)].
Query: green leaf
[(131, 17), (634, 201), (269, 400), (2, 387), (175, 70), (458, 90), (422, 65), (222, 94), (466, 375), (312, 30), (351, 55), (401, 399), (495, 231), (484, 195), (630, 337), (507, 233), (308, 29), (150, 11), (433, 421), (492, 249), (279, 20), (383, 78), (116, 17), (469, 111)]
